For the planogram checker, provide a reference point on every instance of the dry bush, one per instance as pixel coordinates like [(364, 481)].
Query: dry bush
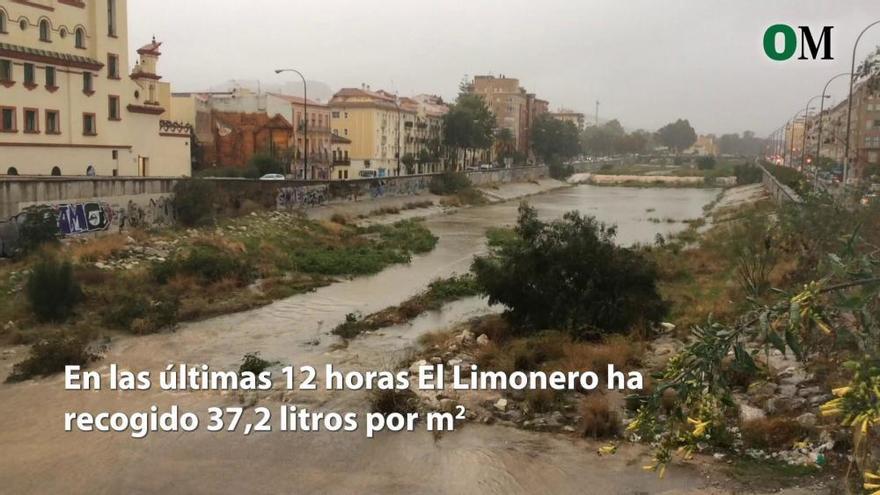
[(494, 326), (91, 275), (99, 248), (432, 340), (776, 433), (339, 218), (542, 401), (597, 418), (586, 356), (386, 402)]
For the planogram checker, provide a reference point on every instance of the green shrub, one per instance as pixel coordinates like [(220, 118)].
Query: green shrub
[(208, 263), (449, 183), (746, 173), (137, 313), (560, 171), (570, 275), (386, 402), (51, 289), (252, 362), (40, 226), (706, 162), (51, 355), (264, 163), (194, 202)]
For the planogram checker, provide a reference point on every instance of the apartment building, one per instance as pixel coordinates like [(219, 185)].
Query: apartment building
[(509, 102), (374, 123), (68, 103), (568, 115)]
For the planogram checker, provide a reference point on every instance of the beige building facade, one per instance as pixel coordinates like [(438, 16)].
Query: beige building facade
[(374, 123), (68, 103), (509, 102)]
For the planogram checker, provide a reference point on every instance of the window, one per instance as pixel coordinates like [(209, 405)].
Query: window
[(111, 18), (88, 84), (89, 128), (335, 115), (80, 36), (45, 31), (56, 171), (2, 21), (50, 77), (7, 119), (5, 70), (112, 66), (113, 107), (53, 122), (29, 75), (12, 171), (31, 121)]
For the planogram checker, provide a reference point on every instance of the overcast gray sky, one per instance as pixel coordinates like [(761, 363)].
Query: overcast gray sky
[(647, 61)]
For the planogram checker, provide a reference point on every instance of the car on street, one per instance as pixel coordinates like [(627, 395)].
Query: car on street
[(272, 177), (486, 166)]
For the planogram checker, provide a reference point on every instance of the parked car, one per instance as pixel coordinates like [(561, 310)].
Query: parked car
[(486, 166), (272, 177)]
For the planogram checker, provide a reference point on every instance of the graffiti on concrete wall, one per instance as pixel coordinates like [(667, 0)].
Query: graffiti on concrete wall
[(153, 213), (113, 214), (301, 196), (84, 218)]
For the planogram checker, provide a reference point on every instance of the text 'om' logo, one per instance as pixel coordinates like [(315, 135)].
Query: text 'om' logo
[(790, 43)]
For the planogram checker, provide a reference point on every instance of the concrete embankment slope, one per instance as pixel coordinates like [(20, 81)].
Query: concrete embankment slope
[(671, 180), (493, 192)]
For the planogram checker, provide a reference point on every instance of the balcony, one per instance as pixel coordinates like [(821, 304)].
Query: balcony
[(341, 163), (314, 128)]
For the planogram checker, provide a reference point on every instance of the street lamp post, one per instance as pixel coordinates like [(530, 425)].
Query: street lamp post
[(819, 134), (849, 103), (791, 124), (804, 144), (305, 120)]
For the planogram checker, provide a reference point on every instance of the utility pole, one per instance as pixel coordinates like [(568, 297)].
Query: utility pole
[(305, 120), (852, 80)]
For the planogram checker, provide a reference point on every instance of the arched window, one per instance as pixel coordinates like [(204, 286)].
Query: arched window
[(45, 31), (90, 171), (56, 171), (80, 38), (12, 171), (2, 21)]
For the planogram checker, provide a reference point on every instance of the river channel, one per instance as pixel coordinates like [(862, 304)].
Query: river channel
[(39, 457)]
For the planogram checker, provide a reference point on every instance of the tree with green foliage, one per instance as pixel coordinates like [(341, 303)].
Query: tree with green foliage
[(706, 162), (266, 163), (194, 202), (409, 161), (554, 140), (469, 125), (678, 135), (505, 143), (569, 275), (38, 227)]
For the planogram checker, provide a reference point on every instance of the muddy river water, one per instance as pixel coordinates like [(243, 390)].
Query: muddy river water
[(37, 456)]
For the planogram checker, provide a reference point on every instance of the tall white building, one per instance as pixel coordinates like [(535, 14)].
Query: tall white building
[(69, 104)]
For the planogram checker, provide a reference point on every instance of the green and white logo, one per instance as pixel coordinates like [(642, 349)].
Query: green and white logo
[(790, 43)]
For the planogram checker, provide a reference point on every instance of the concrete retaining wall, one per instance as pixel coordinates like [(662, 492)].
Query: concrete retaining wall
[(88, 205), (777, 190)]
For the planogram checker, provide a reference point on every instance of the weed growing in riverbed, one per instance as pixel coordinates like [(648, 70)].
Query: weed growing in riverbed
[(253, 363), (438, 293), (51, 355), (51, 289)]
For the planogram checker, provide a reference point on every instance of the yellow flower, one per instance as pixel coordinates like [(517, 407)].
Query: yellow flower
[(608, 450), (699, 426), (840, 392)]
